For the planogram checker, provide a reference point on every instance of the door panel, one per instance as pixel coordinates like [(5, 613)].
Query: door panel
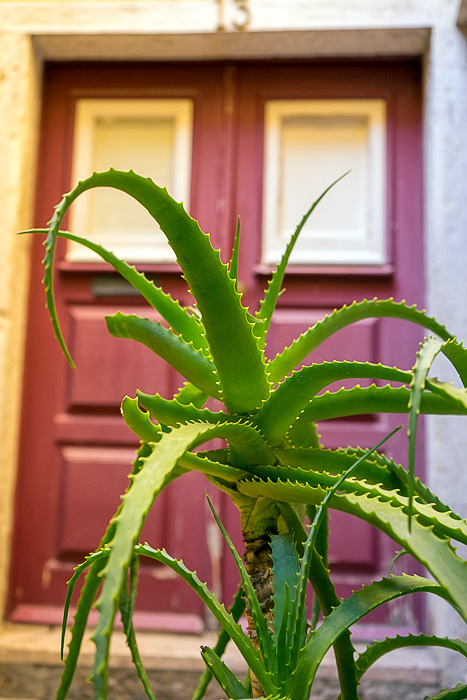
[(75, 451), (92, 481), (116, 367), (357, 342)]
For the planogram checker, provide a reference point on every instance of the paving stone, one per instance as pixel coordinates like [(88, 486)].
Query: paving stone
[(30, 669)]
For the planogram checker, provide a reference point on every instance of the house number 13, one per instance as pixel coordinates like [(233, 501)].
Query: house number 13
[(241, 18)]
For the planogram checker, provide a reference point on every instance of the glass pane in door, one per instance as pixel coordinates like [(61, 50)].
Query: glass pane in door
[(153, 138)]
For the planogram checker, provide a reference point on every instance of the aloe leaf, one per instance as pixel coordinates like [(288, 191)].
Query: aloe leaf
[(223, 638), (380, 470), (282, 642), (326, 596), (304, 433), (319, 478), (346, 614), (227, 323), (295, 393), (128, 598), (426, 541), (225, 619), (268, 304), (183, 323), (457, 355), (127, 604), (190, 394), (425, 357), (359, 401), (191, 363), (374, 652), (210, 468), (77, 571), (457, 693), (376, 469), (445, 523), (172, 412), (85, 603), (233, 268), (449, 393), (157, 471), (263, 633), (285, 569), (227, 680), (286, 361), (89, 591), (321, 550), (298, 616), (395, 558), (344, 652), (139, 422), (249, 448)]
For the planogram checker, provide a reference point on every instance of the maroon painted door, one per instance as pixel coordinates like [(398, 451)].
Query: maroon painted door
[(75, 452)]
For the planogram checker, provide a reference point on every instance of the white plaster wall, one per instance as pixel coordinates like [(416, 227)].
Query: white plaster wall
[(134, 29), (174, 16), (446, 268), (446, 229)]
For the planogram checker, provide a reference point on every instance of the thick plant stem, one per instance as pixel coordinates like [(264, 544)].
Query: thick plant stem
[(258, 563)]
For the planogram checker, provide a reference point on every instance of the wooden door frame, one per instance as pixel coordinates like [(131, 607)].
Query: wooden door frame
[(406, 88)]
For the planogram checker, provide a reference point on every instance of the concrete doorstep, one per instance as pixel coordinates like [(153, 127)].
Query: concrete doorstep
[(30, 668)]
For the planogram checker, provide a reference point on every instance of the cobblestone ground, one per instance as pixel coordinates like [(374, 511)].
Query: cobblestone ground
[(39, 682)]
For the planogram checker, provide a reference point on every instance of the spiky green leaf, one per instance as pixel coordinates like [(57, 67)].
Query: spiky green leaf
[(223, 638), (287, 360), (264, 635), (268, 304), (459, 692), (285, 567), (234, 630), (427, 540), (229, 329), (374, 652), (346, 614), (227, 680), (359, 401), (172, 412), (295, 393), (191, 363), (425, 357)]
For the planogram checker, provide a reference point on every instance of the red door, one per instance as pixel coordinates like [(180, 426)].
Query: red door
[(75, 452)]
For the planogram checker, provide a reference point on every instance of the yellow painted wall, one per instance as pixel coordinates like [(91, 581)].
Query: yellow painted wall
[(19, 83)]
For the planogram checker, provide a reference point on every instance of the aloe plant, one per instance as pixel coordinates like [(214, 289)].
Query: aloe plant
[(274, 467)]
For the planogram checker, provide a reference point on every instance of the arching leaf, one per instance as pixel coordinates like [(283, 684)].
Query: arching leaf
[(242, 642), (229, 329), (374, 652), (295, 393), (427, 540), (359, 401), (268, 304), (425, 357), (287, 360), (346, 614), (191, 363)]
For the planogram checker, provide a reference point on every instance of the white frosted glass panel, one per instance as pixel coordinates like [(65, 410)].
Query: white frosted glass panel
[(151, 137), (308, 145)]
